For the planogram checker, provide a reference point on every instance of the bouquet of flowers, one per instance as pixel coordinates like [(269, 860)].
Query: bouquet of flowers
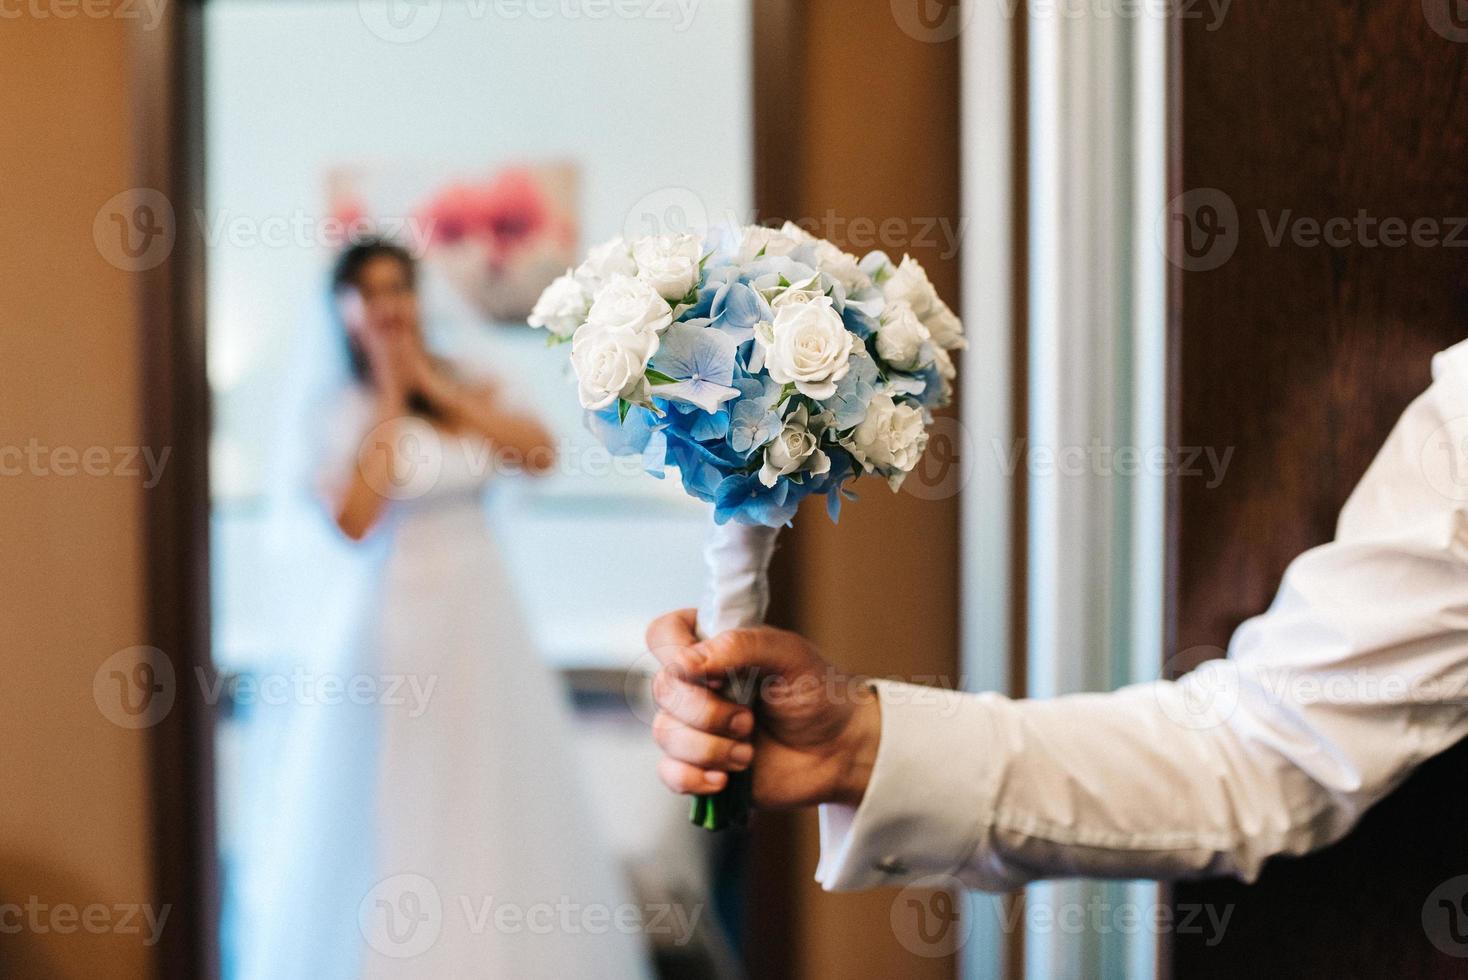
[(765, 366)]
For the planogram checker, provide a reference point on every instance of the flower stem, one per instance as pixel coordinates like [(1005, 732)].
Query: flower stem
[(727, 808)]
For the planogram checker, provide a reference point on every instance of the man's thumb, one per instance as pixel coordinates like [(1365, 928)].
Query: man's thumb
[(767, 650)]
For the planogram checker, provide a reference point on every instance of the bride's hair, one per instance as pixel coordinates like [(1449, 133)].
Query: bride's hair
[(346, 275)]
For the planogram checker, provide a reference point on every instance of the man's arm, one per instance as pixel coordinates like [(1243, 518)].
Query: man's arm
[(1355, 675)]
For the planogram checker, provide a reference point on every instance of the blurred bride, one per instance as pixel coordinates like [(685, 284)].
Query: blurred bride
[(438, 833)]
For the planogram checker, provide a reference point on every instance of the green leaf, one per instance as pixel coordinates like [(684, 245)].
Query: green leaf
[(659, 378), (784, 283), (623, 407)]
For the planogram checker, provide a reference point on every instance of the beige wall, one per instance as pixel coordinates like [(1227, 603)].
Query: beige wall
[(73, 806)]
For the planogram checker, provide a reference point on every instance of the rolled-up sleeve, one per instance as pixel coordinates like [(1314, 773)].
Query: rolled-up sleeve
[(1356, 674)]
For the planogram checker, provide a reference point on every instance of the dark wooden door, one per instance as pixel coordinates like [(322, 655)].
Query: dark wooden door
[(1298, 344)]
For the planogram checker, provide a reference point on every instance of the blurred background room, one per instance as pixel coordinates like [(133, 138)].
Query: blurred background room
[(180, 614)]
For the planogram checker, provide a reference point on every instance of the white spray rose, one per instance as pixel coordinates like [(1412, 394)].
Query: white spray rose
[(668, 263), (629, 304), (945, 326), (611, 363), (797, 448), (757, 240), (609, 259), (908, 283), (562, 307), (902, 340), (808, 346), (891, 439), (946, 371)]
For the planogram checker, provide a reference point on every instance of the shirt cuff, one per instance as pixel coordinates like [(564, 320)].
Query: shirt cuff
[(922, 812)]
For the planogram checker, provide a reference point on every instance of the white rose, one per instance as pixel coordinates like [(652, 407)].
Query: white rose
[(758, 240), (946, 328), (629, 304), (611, 258), (795, 294), (840, 266), (668, 263), (562, 307), (902, 340), (946, 371), (909, 283), (808, 346), (796, 448), (611, 363), (890, 439)]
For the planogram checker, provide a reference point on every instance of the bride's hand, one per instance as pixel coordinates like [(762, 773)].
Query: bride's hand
[(816, 734), (387, 353)]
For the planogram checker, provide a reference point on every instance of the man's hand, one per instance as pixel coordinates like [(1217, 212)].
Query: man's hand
[(812, 732)]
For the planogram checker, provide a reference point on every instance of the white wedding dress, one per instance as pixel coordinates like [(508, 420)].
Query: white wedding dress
[(447, 841)]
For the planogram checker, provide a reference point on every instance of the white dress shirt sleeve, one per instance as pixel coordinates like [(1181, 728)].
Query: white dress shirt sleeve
[(1356, 674)]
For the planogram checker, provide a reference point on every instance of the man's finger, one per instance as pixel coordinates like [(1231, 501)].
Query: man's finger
[(680, 777), (699, 707), (671, 634), (700, 748)]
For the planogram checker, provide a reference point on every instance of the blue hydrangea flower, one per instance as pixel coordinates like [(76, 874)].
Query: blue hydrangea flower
[(701, 363), (854, 392), (754, 420), (745, 499)]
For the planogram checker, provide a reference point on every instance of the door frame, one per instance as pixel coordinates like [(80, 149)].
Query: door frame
[(167, 84)]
